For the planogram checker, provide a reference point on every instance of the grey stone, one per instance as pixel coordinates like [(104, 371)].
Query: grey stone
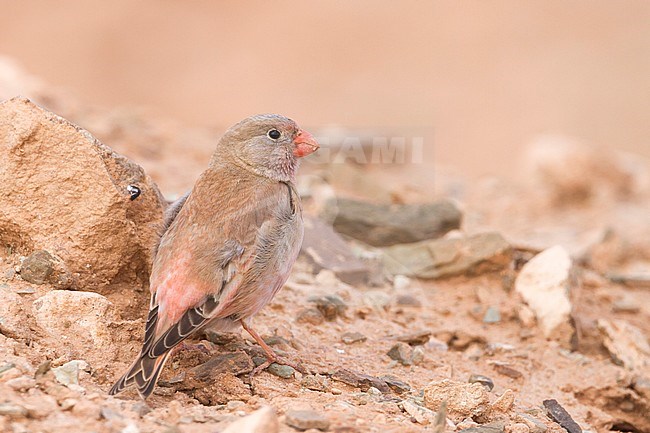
[(280, 370), (483, 380), (331, 306), (326, 249), (558, 414), (535, 425), (353, 337), (470, 255), (492, 315), (306, 419), (398, 386), (384, 225), (68, 373), (402, 353), (37, 267), (310, 315)]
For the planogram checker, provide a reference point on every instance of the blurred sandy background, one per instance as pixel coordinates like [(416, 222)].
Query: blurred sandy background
[(477, 79)]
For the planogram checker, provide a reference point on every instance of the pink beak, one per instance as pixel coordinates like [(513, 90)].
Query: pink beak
[(305, 144)]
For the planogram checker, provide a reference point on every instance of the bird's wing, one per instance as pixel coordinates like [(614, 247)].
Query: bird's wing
[(171, 213)]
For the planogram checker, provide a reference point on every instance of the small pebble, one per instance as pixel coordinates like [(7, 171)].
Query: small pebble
[(68, 403), (402, 353), (306, 419), (417, 338), (408, 301), (373, 391), (418, 355), (376, 299), (504, 402), (283, 371), (310, 315), (420, 414), (508, 371), (483, 380), (353, 337), (68, 373), (401, 282), (492, 315), (315, 382), (26, 291), (534, 425), (37, 267), (558, 414), (331, 306), (395, 384)]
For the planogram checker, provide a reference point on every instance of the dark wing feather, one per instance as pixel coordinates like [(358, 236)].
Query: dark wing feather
[(190, 322)]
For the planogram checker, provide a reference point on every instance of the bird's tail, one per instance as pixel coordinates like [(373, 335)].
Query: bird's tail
[(144, 373)]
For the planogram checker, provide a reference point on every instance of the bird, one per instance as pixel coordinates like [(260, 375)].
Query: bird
[(228, 245)]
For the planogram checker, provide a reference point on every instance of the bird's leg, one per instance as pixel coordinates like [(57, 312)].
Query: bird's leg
[(271, 356)]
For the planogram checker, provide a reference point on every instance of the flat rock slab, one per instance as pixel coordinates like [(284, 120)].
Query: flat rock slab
[(382, 225), (470, 255), (626, 344), (326, 249), (558, 414)]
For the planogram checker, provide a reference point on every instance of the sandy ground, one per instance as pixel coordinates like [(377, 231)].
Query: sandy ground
[(605, 231)]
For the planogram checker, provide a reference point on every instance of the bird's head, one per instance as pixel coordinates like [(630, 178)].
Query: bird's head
[(267, 144)]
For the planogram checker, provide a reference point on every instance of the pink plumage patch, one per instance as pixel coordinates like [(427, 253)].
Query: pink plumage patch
[(175, 292)]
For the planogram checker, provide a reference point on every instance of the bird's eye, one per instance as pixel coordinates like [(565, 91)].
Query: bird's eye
[(274, 134)]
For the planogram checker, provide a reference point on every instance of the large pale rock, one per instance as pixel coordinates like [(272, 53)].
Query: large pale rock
[(77, 321), (13, 322), (440, 258), (463, 399), (263, 420), (544, 283), (383, 225), (64, 192), (626, 343)]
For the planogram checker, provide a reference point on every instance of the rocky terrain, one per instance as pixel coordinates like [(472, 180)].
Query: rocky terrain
[(421, 301)]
